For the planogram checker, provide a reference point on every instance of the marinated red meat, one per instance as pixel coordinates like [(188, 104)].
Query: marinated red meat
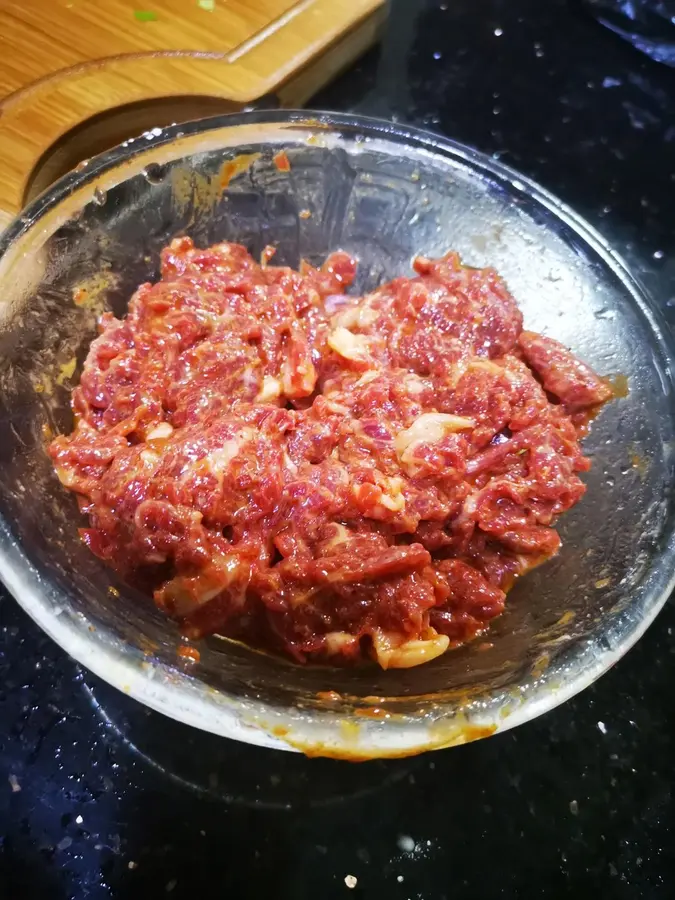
[(574, 383), (328, 476)]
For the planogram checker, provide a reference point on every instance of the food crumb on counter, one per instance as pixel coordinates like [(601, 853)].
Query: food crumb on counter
[(406, 843)]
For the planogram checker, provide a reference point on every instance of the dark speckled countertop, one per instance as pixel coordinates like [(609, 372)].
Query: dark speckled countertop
[(100, 798)]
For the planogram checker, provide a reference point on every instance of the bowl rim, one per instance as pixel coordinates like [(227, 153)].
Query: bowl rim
[(207, 710)]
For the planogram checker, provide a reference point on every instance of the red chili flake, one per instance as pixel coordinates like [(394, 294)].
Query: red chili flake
[(282, 162), (189, 653)]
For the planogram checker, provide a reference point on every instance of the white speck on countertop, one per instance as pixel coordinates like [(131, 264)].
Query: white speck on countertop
[(399, 878), (406, 843), (499, 32), (574, 807), (610, 82), (658, 254), (152, 133), (14, 784), (79, 820), (351, 881), (602, 727)]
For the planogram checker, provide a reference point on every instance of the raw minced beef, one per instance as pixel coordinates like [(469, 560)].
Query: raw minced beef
[(328, 476)]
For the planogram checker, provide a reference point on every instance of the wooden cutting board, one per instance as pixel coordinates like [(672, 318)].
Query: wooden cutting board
[(79, 76)]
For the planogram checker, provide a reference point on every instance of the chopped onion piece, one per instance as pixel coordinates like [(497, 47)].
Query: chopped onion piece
[(350, 346), (429, 428), (411, 653)]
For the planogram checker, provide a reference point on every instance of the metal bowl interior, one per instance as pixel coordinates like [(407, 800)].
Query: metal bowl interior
[(383, 193)]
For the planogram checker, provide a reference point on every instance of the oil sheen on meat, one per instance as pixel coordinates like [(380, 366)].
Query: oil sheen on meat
[(330, 477)]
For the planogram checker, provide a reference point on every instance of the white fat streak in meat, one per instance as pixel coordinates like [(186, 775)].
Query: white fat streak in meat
[(307, 383), (414, 384), (298, 598), (367, 377), (270, 390), (356, 317), (186, 589), (337, 641), (149, 458), (338, 408), (469, 505), (392, 493), (289, 464), (393, 504), (486, 365), (341, 534), (391, 497), (219, 459), (250, 379), (163, 430)]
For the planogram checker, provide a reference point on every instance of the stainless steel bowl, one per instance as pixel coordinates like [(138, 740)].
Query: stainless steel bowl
[(382, 192)]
